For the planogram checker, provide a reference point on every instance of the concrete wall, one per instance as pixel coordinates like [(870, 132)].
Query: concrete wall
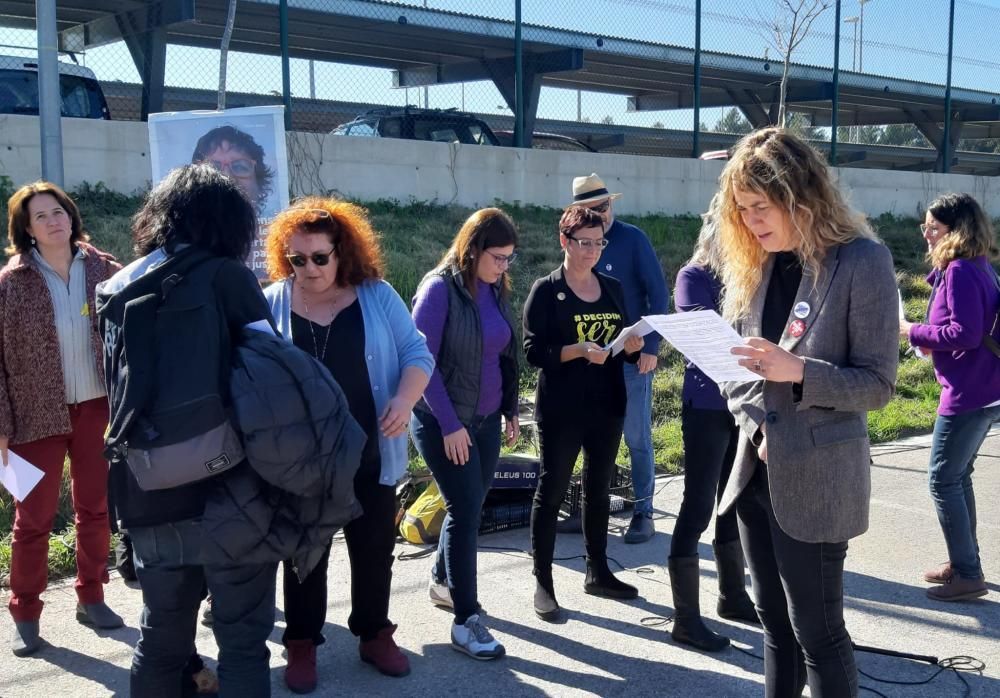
[(113, 152), (116, 153)]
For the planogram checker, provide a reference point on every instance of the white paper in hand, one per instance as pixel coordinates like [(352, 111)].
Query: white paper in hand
[(19, 476), (705, 339), (639, 329)]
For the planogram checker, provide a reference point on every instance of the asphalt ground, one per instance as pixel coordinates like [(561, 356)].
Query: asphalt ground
[(604, 648)]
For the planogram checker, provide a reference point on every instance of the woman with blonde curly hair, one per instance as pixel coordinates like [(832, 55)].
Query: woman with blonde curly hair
[(960, 333), (813, 290), (331, 301)]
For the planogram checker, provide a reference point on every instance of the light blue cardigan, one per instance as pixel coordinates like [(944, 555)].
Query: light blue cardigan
[(392, 343)]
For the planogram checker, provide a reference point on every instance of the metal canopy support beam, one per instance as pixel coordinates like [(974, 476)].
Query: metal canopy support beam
[(684, 99), (927, 127), (111, 28), (487, 69), (954, 135)]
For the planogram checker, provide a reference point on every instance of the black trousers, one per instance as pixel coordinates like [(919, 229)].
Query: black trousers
[(371, 539), (710, 440), (599, 435), (799, 588)]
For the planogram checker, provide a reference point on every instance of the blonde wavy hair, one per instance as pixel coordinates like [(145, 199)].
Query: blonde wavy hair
[(707, 252), (792, 175), (970, 234)]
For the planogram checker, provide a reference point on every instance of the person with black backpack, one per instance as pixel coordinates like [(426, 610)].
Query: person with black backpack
[(180, 309)]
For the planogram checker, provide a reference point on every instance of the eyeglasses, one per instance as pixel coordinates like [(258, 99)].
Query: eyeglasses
[(587, 243), (924, 228), (238, 168), (601, 207), (320, 259), (502, 260)]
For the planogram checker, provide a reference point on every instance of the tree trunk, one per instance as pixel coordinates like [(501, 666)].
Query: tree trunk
[(784, 90)]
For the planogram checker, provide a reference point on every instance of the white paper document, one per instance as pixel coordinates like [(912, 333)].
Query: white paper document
[(705, 339), (639, 329), (19, 476)]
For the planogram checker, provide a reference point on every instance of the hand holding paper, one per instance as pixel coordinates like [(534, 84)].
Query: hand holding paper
[(639, 329)]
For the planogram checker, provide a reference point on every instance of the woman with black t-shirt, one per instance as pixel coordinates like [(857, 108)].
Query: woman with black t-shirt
[(569, 316)]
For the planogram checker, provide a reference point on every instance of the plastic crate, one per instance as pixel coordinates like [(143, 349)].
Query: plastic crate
[(620, 493)]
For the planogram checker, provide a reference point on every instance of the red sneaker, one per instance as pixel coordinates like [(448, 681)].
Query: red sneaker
[(300, 674), (384, 654)]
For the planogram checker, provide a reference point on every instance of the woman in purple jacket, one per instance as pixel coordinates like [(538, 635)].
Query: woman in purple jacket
[(710, 438), (961, 317)]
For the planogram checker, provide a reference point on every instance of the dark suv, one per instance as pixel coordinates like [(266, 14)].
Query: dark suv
[(413, 123)]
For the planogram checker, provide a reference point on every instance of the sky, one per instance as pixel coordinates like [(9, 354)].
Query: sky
[(901, 38)]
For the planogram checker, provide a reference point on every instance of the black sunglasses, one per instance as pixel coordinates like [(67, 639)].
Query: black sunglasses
[(601, 207), (320, 259)]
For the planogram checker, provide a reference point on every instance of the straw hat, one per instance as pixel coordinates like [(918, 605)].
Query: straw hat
[(589, 190)]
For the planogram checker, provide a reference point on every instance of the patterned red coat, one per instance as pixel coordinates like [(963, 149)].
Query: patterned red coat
[(32, 389)]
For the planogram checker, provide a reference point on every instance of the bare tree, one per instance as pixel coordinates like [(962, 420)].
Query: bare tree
[(786, 32), (227, 35)]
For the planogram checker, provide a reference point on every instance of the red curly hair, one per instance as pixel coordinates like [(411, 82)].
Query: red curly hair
[(355, 242)]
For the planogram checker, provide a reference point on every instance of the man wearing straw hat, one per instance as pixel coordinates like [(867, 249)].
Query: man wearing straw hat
[(630, 258)]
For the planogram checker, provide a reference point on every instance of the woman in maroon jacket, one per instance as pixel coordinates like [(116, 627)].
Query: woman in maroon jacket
[(53, 400)]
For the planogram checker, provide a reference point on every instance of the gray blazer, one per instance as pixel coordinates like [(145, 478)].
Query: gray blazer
[(817, 447)]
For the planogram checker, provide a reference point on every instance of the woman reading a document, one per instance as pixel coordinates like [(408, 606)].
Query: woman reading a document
[(814, 292), (569, 316)]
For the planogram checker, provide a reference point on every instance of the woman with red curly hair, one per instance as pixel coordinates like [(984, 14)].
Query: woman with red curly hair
[(325, 259)]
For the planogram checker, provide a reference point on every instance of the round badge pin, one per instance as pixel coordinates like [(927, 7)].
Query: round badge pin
[(607, 267), (801, 310), (561, 296), (797, 328)]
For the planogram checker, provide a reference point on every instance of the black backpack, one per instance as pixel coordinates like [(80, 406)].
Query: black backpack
[(164, 337)]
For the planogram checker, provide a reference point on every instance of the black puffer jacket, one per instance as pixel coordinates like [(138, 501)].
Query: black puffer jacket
[(303, 448)]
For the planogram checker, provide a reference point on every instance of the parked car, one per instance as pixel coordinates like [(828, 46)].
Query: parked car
[(547, 141), (413, 123), (714, 155), (81, 94)]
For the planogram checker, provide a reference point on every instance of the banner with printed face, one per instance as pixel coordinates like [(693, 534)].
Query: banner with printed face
[(248, 144)]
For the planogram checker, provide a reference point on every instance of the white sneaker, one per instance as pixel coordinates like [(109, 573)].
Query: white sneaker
[(475, 640), (440, 594)]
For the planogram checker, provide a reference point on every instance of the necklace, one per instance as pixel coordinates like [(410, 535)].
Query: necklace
[(320, 353)]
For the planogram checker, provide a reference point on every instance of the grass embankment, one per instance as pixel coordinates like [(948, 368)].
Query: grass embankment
[(415, 236)]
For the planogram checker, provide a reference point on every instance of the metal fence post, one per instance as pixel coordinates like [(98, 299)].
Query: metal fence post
[(696, 134), (946, 139), (835, 111), (49, 99), (518, 78), (286, 80)]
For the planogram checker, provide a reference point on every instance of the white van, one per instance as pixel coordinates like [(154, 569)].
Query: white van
[(82, 96)]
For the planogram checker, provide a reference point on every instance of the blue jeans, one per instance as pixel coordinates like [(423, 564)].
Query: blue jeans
[(957, 439), (173, 581), (639, 435), (464, 488)]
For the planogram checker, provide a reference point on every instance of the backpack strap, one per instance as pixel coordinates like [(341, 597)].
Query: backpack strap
[(989, 340)]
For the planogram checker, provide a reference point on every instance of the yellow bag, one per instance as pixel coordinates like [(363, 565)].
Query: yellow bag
[(422, 521)]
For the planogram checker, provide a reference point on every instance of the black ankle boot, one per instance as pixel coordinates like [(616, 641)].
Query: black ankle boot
[(734, 602), (600, 582), (688, 628)]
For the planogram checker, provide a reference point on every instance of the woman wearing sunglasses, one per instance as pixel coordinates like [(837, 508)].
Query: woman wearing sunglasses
[(462, 308), (569, 317), (332, 302)]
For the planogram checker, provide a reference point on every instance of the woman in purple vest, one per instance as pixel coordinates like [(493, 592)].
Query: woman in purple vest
[(960, 326), (462, 309)]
